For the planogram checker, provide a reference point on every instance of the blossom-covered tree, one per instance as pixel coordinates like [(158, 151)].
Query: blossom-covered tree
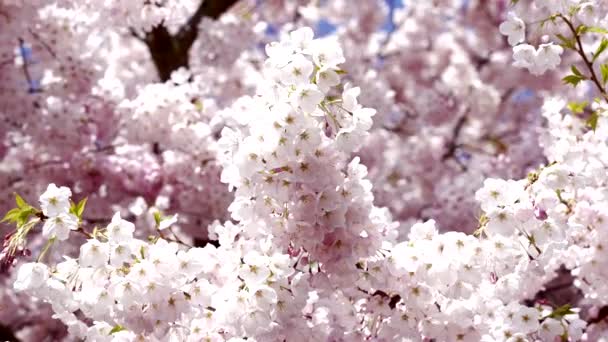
[(328, 150)]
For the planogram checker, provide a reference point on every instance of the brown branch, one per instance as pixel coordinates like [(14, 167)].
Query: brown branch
[(137, 35), (171, 52), (452, 145), (581, 52), (43, 43), (601, 315), (208, 8)]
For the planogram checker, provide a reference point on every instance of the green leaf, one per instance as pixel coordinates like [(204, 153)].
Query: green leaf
[(595, 29), (592, 121), (24, 215), (12, 215), (576, 71), (562, 311), (568, 43), (117, 329), (573, 10), (21, 203), (80, 207), (198, 104), (573, 79), (577, 107), (157, 218), (582, 29), (603, 45), (604, 70)]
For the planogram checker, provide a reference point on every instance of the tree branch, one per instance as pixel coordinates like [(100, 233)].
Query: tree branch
[(208, 8), (171, 52), (588, 63)]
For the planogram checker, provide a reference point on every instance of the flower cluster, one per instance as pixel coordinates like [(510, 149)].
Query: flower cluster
[(55, 205), (305, 216), (309, 255), (558, 25)]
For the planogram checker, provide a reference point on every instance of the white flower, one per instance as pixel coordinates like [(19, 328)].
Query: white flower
[(326, 79), (362, 118), (514, 28), (167, 222), (263, 297), (124, 291), (423, 231), (55, 201), (254, 270), (525, 319), (59, 226), (550, 329), (119, 254), (588, 13), (31, 276), (308, 97), (120, 230), (349, 97), (279, 54), (501, 221), (94, 254), (298, 71), (326, 53), (498, 193), (524, 56), (180, 76), (301, 38), (548, 57)]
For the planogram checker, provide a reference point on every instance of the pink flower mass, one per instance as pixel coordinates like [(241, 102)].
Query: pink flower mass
[(274, 170)]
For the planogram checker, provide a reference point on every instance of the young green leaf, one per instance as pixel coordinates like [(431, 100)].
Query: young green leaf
[(582, 29), (116, 329), (595, 29), (601, 48), (568, 43), (604, 70), (577, 107), (157, 218), (11, 215), (592, 121), (21, 203), (562, 311), (573, 79), (576, 71), (80, 207)]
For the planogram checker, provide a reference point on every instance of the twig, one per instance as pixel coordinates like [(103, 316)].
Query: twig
[(453, 143), (581, 52), (43, 43), (208, 8)]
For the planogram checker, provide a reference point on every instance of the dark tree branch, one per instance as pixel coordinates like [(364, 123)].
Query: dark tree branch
[(43, 43), (601, 316), (452, 145), (208, 8), (6, 334), (589, 64), (171, 52), (137, 35)]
